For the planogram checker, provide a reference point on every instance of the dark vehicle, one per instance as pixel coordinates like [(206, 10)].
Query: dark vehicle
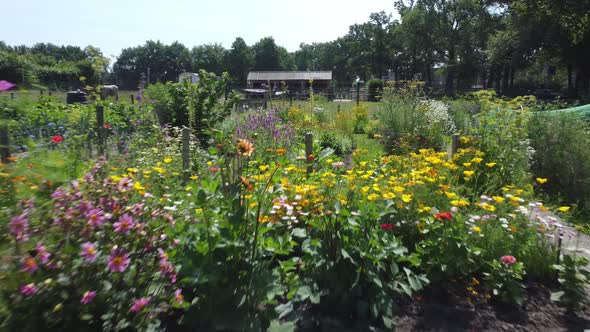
[(77, 96)]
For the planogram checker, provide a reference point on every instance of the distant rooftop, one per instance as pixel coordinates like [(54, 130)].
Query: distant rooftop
[(289, 75)]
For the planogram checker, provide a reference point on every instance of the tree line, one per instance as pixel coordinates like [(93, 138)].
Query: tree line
[(508, 45)]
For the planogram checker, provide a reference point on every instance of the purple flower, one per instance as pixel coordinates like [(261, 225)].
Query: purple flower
[(87, 297), (29, 289), (59, 193), (125, 184), (95, 217), (29, 265), (125, 224), (89, 252), (118, 261), (19, 227), (178, 296), (42, 253), (139, 304)]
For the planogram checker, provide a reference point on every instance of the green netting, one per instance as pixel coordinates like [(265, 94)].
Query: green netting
[(583, 111)]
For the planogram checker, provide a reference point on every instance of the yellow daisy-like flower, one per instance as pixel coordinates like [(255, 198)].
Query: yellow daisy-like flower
[(498, 199), (407, 198), (389, 195), (468, 173), (564, 208), (477, 229), (490, 165), (477, 160), (398, 189), (263, 168), (372, 197), (466, 164), (167, 160), (541, 180)]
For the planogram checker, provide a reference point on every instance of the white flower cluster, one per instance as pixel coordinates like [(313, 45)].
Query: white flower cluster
[(436, 113)]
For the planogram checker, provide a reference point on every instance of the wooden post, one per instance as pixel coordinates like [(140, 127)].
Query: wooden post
[(338, 108), (309, 151), (186, 157), (49, 93), (100, 129), (455, 144), (132, 99), (12, 95), (4, 144), (358, 93), (41, 92)]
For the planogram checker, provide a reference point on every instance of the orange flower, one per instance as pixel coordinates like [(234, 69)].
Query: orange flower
[(11, 159), (245, 147), (281, 152)]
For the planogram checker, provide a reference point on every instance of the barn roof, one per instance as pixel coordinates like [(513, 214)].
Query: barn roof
[(289, 75)]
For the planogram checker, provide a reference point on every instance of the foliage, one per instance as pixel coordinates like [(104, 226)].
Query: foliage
[(505, 279), (574, 278)]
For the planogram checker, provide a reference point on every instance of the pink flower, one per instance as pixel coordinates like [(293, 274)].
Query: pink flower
[(29, 289), (29, 265), (139, 304), (387, 226), (19, 227), (89, 252), (118, 261), (125, 224), (508, 260), (87, 297), (42, 253), (178, 296), (125, 185), (95, 217)]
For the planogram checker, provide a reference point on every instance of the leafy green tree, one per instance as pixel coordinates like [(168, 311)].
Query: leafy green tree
[(239, 60)]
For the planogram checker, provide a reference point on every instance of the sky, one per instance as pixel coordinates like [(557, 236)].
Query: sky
[(113, 25)]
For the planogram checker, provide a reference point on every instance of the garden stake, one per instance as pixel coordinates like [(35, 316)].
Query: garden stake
[(100, 124), (132, 99), (186, 160), (309, 151), (558, 253), (4, 144), (455, 144)]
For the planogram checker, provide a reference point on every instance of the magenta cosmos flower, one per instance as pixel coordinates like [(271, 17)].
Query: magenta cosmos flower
[(42, 253), (118, 260), (87, 297), (19, 228), (139, 304), (89, 252), (29, 265), (508, 260), (95, 217), (125, 224), (29, 289)]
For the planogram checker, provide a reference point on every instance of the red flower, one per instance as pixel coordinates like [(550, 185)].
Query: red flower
[(107, 126), (386, 226), (311, 157), (56, 139), (444, 216)]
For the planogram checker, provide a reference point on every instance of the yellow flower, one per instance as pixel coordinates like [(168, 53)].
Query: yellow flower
[(263, 168), (167, 160), (474, 281), (389, 195), (194, 177), (498, 199), (398, 189), (459, 202), (372, 197), (564, 208), (132, 170), (468, 173), (477, 160), (450, 194), (541, 180), (490, 165), (406, 198), (199, 210), (466, 164), (477, 229)]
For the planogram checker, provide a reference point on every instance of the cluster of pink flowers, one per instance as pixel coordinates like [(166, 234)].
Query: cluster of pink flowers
[(19, 227), (508, 260), (118, 260)]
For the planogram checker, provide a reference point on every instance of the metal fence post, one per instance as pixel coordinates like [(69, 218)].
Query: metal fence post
[(132, 99), (4, 144)]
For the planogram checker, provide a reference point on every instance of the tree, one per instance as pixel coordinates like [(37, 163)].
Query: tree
[(209, 57), (268, 56), (239, 60)]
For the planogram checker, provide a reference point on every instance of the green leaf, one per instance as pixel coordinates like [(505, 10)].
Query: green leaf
[(347, 256), (284, 309), (304, 292), (299, 232), (276, 326), (556, 296)]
